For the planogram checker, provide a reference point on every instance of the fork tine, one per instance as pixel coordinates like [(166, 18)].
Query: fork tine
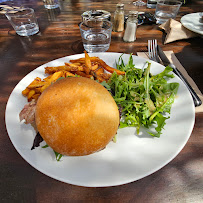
[(149, 49), (152, 49), (157, 55), (156, 51)]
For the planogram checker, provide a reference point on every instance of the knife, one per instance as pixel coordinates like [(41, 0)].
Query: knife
[(163, 57)]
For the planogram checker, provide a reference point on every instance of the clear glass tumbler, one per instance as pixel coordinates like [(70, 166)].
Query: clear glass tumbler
[(166, 9), (51, 4), (23, 21), (96, 35), (151, 3)]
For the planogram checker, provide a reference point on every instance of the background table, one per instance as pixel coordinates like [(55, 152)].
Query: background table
[(180, 181)]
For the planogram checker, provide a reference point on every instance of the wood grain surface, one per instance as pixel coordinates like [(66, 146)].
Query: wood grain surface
[(179, 181)]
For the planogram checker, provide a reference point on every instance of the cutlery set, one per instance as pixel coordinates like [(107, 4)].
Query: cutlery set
[(156, 53)]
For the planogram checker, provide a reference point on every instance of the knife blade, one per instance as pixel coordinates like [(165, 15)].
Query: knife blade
[(166, 62)]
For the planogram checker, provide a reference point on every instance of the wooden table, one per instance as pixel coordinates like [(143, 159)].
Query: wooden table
[(179, 181)]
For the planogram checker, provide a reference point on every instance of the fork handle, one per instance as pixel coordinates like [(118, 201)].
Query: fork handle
[(196, 99)]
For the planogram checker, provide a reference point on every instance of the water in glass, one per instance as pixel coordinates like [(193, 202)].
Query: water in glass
[(166, 9), (23, 21), (27, 29), (96, 35), (96, 42)]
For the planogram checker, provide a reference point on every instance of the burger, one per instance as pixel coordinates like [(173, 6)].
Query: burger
[(76, 116)]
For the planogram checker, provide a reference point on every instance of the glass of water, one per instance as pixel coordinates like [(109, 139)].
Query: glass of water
[(166, 9), (23, 21), (96, 35)]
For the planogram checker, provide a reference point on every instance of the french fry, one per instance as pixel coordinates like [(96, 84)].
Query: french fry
[(25, 91), (55, 76), (35, 81), (88, 64), (36, 96), (94, 59), (45, 86), (48, 78), (30, 94), (99, 71), (95, 67), (68, 74), (87, 60), (100, 78), (51, 70), (38, 90), (74, 67), (82, 60), (89, 67), (106, 76), (36, 85), (80, 73), (87, 70), (110, 69)]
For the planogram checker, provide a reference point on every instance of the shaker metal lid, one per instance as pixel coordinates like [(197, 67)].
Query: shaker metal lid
[(96, 15), (120, 5), (133, 13)]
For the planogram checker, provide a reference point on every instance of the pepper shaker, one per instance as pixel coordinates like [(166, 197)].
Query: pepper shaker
[(131, 26), (118, 23)]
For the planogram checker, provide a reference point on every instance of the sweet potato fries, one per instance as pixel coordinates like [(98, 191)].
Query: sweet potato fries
[(90, 67)]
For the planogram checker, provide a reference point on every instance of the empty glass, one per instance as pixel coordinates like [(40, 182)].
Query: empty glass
[(139, 3), (51, 4), (166, 9), (151, 3), (23, 21)]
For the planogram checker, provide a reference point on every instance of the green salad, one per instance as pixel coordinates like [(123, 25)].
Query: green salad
[(144, 99)]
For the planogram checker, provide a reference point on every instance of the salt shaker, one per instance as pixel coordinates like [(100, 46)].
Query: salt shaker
[(118, 23), (131, 26)]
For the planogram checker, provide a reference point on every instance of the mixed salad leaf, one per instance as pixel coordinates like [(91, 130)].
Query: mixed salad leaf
[(57, 155), (145, 99)]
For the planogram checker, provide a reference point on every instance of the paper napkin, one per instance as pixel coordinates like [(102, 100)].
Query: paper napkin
[(176, 31), (172, 58)]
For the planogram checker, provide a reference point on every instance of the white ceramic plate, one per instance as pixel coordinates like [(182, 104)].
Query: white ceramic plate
[(131, 158), (193, 22)]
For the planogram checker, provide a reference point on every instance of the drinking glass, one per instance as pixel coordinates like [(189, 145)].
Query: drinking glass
[(96, 35), (51, 4), (139, 3), (151, 3), (23, 21), (166, 9)]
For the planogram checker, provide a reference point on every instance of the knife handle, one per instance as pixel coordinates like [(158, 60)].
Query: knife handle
[(196, 99)]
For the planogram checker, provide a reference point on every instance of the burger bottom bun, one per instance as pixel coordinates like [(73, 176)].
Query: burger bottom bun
[(77, 116)]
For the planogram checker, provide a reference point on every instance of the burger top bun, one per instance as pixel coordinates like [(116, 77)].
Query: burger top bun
[(76, 116)]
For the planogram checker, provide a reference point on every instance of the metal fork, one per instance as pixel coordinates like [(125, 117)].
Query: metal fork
[(152, 50)]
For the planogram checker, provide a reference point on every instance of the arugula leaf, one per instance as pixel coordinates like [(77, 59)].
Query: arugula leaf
[(104, 83), (45, 146), (58, 155), (60, 78), (148, 100), (166, 107)]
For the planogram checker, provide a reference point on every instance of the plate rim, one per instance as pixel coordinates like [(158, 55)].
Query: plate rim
[(188, 27)]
